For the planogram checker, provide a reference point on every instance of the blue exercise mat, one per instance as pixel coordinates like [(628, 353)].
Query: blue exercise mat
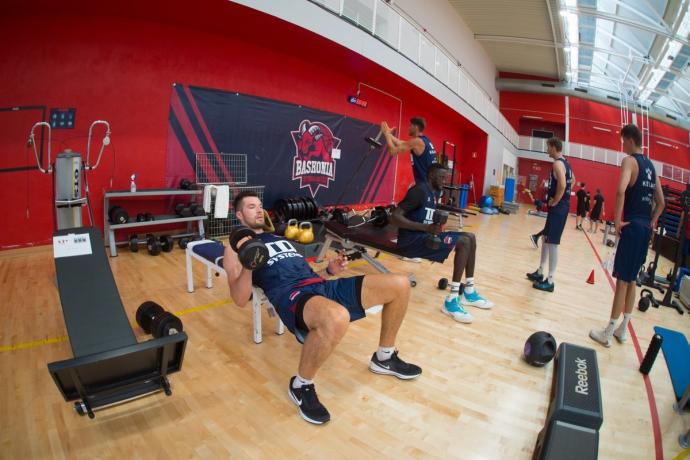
[(677, 354)]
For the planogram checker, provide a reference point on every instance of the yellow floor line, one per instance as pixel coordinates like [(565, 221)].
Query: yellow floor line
[(186, 311)]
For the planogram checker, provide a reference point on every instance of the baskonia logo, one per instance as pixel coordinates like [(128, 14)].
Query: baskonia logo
[(313, 163)]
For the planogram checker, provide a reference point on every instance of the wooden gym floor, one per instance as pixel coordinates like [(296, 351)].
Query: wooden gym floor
[(477, 398)]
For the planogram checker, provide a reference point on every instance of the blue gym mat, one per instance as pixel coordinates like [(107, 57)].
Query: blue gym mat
[(677, 354)]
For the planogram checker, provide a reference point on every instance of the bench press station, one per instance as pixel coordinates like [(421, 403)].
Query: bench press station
[(355, 240)]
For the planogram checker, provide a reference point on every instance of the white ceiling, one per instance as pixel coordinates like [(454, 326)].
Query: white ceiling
[(633, 49)]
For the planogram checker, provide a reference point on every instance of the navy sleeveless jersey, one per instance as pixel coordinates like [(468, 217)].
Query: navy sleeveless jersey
[(285, 269), (639, 196), (423, 214), (421, 163), (564, 204)]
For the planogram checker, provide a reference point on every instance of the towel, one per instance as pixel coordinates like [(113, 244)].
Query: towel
[(222, 202), (207, 198)]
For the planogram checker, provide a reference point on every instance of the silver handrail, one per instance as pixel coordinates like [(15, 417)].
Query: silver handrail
[(104, 143), (32, 142)]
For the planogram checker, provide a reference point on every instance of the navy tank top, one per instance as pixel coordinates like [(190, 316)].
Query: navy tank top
[(421, 163), (639, 196), (423, 214), (285, 268), (564, 204)]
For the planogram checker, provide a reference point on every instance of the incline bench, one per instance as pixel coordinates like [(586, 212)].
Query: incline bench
[(109, 366), (354, 241)]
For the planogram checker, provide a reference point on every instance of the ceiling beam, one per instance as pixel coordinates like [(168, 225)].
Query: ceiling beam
[(628, 22), (556, 50)]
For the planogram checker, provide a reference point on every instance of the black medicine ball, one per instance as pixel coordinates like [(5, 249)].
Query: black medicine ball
[(540, 348)]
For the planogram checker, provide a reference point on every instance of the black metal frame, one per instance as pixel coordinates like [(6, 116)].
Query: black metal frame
[(71, 376), (44, 110)]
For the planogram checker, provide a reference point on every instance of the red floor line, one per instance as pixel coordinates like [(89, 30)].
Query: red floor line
[(656, 428)]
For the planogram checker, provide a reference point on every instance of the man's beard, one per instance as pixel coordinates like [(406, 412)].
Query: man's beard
[(255, 226)]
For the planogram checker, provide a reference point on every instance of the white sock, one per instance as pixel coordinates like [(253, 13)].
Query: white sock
[(608, 332), (454, 290), (300, 381), (469, 285), (550, 279), (384, 353), (624, 323)]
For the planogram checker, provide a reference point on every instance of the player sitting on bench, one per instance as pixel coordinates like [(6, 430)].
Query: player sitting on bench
[(414, 218), (317, 311)]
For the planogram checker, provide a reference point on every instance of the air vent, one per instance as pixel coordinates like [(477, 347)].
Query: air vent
[(582, 90), (613, 98), (548, 85), (671, 117)]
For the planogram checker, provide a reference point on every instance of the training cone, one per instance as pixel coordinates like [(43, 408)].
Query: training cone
[(590, 280)]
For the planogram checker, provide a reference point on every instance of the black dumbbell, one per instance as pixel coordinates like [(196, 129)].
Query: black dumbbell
[(133, 243), (379, 216), (141, 217), (152, 244), (186, 184), (166, 242), (439, 218), (154, 320), (149, 216), (118, 215), (183, 242), (182, 210), (443, 283), (253, 254), (195, 209)]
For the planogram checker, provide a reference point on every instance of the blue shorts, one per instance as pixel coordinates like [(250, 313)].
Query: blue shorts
[(632, 250), (289, 305), (555, 223), (414, 245)]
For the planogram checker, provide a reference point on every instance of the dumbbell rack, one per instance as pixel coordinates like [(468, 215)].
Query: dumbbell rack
[(109, 228)]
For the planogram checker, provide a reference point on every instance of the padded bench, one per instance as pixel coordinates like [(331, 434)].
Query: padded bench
[(211, 253), (109, 365), (355, 240)]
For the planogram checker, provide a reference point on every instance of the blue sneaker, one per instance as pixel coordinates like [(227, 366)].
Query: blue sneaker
[(453, 309), (475, 300)]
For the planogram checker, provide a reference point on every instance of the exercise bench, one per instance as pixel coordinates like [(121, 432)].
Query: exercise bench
[(355, 240), (109, 366), (211, 253)]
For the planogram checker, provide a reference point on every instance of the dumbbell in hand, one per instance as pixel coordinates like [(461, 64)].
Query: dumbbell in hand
[(251, 252), (439, 219)]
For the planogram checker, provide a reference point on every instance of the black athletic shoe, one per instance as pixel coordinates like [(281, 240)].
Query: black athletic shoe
[(394, 366), (535, 240), (535, 276), (543, 286), (310, 408)]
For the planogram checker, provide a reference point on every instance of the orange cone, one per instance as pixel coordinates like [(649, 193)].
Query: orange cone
[(590, 280)]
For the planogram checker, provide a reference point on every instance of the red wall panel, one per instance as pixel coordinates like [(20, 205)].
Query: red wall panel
[(111, 62), (515, 105)]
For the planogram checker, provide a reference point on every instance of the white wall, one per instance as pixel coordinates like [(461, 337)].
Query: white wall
[(318, 20), (445, 25)]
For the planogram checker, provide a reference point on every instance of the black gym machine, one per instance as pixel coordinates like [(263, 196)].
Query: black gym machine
[(109, 365), (648, 278)]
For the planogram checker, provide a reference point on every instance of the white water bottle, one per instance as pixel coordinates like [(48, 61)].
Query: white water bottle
[(132, 185)]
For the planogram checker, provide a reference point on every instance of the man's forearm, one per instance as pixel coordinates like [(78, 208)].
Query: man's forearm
[(559, 194), (241, 287)]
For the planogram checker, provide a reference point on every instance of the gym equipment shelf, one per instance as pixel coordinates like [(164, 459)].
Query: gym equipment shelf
[(159, 220)]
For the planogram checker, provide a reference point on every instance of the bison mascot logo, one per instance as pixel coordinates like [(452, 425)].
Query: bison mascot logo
[(313, 163)]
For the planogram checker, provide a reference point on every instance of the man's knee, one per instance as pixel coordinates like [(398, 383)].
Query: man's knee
[(400, 284), (336, 321)]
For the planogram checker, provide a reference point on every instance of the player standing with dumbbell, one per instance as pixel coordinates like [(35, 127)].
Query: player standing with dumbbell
[(420, 234), (316, 310)]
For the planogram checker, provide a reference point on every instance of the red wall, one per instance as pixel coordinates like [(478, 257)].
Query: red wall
[(515, 105), (113, 61), (527, 125)]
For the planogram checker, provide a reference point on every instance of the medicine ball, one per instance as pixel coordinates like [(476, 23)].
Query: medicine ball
[(540, 348)]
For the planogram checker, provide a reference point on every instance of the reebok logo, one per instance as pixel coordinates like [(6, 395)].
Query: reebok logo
[(582, 386)]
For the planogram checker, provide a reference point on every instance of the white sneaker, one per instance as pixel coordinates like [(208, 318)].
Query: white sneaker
[(416, 260), (453, 309), (621, 333), (599, 335)]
